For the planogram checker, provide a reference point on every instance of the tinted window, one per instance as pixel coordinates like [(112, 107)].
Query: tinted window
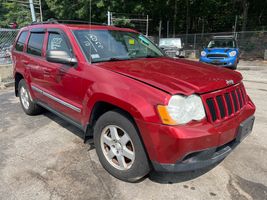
[(21, 41), (57, 42), (35, 44)]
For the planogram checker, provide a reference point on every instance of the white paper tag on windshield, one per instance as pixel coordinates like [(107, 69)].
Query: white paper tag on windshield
[(94, 56)]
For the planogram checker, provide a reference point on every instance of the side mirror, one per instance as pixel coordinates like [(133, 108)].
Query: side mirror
[(60, 57)]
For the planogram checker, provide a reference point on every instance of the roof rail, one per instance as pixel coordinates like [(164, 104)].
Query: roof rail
[(223, 36), (56, 21)]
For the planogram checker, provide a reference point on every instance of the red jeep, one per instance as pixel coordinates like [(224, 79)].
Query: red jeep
[(144, 110)]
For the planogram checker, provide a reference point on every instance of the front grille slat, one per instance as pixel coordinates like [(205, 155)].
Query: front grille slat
[(221, 105), (229, 103), (211, 106), (234, 100), (217, 108), (225, 105), (243, 95), (217, 56), (238, 103), (239, 98)]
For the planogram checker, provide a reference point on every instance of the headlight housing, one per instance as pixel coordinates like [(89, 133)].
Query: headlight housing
[(203, 53), (182, 109), (232, 53)]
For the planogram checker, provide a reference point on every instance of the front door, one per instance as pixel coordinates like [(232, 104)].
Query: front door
[(62, 85)]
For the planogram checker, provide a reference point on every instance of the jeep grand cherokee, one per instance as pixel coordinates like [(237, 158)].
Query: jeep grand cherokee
[(144, 110)]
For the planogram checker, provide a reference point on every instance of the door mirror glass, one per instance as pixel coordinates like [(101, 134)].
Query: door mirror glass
[(58, 56)]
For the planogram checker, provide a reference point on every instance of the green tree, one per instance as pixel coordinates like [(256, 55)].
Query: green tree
[(14, 12)]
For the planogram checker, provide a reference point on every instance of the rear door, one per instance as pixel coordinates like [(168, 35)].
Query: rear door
[(34, 57), (17, 52)]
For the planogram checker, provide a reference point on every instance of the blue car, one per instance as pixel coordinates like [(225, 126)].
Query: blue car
[(221, 51)]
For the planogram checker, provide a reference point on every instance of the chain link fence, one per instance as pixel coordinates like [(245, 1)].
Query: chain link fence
[(7, 37), (252, 44)]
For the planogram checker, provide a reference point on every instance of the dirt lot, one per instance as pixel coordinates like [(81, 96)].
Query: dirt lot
[(43, 157)]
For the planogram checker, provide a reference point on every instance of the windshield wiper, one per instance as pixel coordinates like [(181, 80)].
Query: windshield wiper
[(117, 59), (149, 56), (111, 59)]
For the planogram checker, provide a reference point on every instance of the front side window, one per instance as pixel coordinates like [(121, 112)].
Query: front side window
[(107, 45), (35, 44), (21, 41), (57, 42)]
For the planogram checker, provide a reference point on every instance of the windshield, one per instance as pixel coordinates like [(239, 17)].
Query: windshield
[(222, 44), (170, 42), (107, 45)]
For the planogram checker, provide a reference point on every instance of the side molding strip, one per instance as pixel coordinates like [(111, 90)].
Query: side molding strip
[(78, 125), (56, 99)]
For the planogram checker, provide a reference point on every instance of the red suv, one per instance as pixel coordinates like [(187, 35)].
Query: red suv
[(144, 110)]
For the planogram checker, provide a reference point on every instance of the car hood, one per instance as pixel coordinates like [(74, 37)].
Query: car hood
[(175, 75)]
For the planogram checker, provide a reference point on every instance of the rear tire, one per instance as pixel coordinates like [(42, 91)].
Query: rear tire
[(119, 148), (29, 107)]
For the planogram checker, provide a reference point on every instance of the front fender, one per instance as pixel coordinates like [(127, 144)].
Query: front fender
[(139, 102)]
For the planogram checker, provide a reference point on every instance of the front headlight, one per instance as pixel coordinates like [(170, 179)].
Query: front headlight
[(232, 53), (203, 53), (182, 109)]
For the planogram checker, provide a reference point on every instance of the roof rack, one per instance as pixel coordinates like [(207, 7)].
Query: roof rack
[(224, 37), (56, 21)]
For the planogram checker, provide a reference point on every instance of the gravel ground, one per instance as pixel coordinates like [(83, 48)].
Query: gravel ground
[(44, 157)]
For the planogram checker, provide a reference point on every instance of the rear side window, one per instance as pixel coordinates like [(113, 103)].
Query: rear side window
[(57, 42), (21, 41), (35, 44)]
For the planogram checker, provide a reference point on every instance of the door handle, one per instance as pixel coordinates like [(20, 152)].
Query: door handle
[(62, 70), (47, 71), (25, 62)]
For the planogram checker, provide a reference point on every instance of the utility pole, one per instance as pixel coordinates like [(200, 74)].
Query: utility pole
[(160, 22), (109, 18), (32, 10), (203, 27), (147, 25), (41, 12), (174, 18), (235, 26), (168, 24), (187, 20)]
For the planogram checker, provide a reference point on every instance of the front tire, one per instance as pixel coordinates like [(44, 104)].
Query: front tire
[(29, 107), (234, 67), (119, 148)]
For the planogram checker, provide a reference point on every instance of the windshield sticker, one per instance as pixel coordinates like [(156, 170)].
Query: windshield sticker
[(91, 40), (143, 39), (131, 41), (56, 43), (95, 56)]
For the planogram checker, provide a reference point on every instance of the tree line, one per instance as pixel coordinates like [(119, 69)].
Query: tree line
[(183, 16)]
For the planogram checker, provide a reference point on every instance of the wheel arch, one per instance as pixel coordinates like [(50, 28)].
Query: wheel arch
[(100, 108), (18, 77)]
